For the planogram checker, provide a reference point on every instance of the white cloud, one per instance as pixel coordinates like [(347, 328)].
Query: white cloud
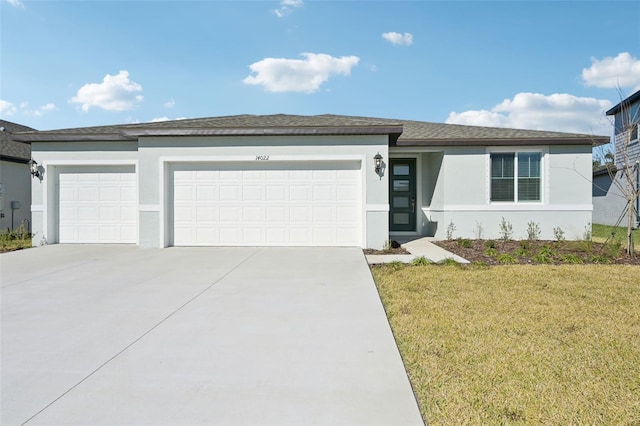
[(7, 108), (298, 75), (621, 71), (286, 7), (159, 119), (169, 103), (558, 112), (115, 93), (16, 3), (405, 39), (38, 111)]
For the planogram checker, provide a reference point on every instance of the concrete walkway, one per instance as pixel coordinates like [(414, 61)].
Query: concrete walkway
[(422, 247), (118, 335)]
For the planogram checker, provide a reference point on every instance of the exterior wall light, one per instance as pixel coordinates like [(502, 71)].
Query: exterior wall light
[(33, 167), (378, 163)]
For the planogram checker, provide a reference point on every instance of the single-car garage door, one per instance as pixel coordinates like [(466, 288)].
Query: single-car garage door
[(97, 204), (267, 204)]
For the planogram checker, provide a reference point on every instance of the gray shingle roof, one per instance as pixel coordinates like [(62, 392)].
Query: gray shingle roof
[(9, 148), (402, 132)]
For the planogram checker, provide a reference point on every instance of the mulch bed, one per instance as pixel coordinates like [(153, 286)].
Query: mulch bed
[(538, 252)]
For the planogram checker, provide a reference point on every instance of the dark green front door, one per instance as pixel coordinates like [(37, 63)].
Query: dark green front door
[(402, 194)]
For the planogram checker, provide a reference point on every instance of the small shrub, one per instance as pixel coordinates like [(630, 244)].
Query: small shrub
[(586, 235), (612, 249), (545, 255), (584, 246), (506, 230), (533, 231), (451, 228), (506, 258), (464, 242), (420, 261), (490, 244), (570, 258), (522, 252), (596, 258), (558, 234), (491, 252), (449, 261), (479, 231)]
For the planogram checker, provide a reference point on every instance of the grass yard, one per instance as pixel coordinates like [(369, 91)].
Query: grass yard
[(601, 232), (549, 344)]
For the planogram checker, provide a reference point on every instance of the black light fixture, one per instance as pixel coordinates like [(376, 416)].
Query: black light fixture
[(33, 167), (378, 162)]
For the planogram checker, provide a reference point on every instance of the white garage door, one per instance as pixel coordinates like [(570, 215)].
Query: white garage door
[(98, 205), (275, 204)]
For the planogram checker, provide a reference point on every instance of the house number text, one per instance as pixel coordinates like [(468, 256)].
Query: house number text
[(262, 157)]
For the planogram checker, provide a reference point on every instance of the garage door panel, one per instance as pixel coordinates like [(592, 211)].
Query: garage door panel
[(267, 204), (97, 204)]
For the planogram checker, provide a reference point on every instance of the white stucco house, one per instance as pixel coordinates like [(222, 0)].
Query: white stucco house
[(15, 180), (304, 181)]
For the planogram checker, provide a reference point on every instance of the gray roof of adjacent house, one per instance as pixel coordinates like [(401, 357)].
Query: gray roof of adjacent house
[(11, 149), (401, 132), (625, 103)]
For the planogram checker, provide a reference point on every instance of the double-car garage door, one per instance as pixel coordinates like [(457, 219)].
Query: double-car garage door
[(262, 203), (267, 204)]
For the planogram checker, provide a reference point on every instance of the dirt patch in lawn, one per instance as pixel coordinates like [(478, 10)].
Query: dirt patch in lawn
[(498, 252)]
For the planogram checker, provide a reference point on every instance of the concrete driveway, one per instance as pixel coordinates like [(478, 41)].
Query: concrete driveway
[(123, 335)]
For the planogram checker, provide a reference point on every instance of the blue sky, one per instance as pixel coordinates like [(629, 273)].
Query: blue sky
[(553, 65)]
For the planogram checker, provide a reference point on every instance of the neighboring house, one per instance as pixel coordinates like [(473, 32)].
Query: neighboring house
[(15, 179), (609, 203), (305, 181)]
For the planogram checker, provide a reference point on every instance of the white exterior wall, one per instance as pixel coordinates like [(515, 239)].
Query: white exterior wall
[(461, 194), (153, 157), (16, 186)]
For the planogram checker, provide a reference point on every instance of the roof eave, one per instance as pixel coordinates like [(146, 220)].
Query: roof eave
[(271, 131), (392, 131), (625, 103), (66, 137), (594, 141)]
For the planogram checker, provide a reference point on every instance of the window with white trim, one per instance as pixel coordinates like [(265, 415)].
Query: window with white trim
[(516, 176)]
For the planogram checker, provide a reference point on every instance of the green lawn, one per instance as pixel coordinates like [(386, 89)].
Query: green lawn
[(601, 232), (518, 344)]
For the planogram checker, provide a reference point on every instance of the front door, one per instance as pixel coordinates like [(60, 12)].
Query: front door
[(402, 194)]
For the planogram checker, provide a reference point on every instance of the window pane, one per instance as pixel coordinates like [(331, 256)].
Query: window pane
[(402, 202), (401, 218), (400, 185), (502, 165), (400, 169), (529, 164), (502, 177), (529, 189), (502, 189)]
